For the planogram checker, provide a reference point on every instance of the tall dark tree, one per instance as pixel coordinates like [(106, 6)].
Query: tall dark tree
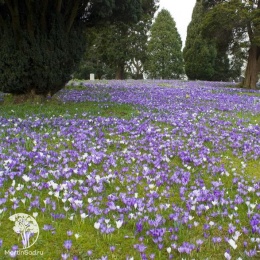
[(242, 18), (41, 41), (199, 54), (164, 49), (210, 58)]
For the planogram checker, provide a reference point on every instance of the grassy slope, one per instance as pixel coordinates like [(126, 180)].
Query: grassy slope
[(90, 239)]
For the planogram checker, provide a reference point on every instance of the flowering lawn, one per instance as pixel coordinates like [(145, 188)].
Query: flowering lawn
[(134, 170)]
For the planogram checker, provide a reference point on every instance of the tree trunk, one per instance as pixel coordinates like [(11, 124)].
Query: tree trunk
[(31, 96), (253, 68), (120, 71)]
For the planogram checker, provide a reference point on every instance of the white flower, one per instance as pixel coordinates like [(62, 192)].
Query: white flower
[(26, 177), (97, 225), (196, 223), (232, 243), (214, 202), (57, 194), (83, 215), (77, 235), (251, 189), (227, 256), (169, 250), (19, 187), (151, 186), (35, 214), (66, 208), (253, 206), (119, 223), (131, 215), (236, 236)]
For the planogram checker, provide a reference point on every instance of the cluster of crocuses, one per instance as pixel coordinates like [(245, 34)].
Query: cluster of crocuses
[(168, 171)]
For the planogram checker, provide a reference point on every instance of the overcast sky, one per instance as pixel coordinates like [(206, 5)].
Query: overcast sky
[(181, 11)]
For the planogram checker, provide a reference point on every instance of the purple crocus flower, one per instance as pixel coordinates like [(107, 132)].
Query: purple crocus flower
[(67, 244)]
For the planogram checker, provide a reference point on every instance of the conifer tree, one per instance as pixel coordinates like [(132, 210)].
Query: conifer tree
[(164, 59), (199, 54), (41, 42)]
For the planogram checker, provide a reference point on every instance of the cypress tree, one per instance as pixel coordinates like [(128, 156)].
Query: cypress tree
[(199, 54), (164, 59)]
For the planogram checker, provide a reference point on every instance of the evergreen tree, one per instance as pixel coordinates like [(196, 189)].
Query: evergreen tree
[(41, 42), (199, 55), (205, 58), (164, 59)]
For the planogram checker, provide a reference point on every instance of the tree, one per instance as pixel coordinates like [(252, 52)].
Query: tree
[(41, 41), (210, 58), (164, 58), (138, 38), (120, 47), (199, 54), (242, 18)]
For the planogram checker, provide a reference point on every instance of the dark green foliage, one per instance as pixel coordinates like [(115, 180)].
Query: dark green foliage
[(164, 49), (41, 42), (200, 60), (209, 58), (199, 54), (118, 50), (41, 65), (107, 50), (236, 24)]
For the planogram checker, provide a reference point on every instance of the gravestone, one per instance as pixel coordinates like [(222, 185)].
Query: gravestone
[(92, 76)]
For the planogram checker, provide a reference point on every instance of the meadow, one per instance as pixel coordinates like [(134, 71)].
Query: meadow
[(134, 170)]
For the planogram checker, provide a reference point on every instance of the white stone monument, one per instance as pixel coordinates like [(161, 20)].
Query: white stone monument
[(92, 76)]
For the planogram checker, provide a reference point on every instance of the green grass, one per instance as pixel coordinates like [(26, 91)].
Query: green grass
[(68, 110)]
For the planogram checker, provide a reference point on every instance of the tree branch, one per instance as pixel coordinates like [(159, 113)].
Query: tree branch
[(250, 31)]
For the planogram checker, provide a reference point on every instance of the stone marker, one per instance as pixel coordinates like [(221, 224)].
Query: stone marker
[(92, 76)]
